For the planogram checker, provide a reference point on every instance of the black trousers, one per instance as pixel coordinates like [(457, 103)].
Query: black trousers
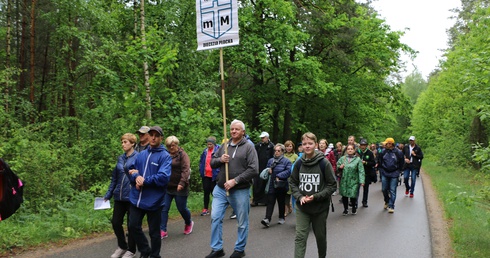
[(280, 197), (208, 186), (259, 195), (120, 210)]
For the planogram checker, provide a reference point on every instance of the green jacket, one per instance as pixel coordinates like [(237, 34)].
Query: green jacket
[(352, 176), (308, 179)]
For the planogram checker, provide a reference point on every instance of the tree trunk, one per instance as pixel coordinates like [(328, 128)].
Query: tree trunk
[(32, 51), (44, 75), (7, 57), (145, 63), (135, 22), (275, 122), (22, 51)]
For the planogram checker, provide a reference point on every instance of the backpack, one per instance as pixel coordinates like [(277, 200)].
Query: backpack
[(11, 191), (390, 161), (322, 164)]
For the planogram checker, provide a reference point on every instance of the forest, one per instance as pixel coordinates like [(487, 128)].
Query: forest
[(78, 74)]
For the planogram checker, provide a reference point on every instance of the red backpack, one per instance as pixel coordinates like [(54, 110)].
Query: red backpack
[(11, 191)]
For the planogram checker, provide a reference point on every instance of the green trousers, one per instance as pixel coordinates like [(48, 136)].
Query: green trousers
[(318, 222)]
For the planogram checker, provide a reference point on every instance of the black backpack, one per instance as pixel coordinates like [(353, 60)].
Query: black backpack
[(11, 191)]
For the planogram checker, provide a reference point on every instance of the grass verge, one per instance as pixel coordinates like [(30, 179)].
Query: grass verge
[(67, 222), (465, 196)]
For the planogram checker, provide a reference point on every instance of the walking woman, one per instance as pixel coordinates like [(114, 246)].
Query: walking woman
[(119, 188), (292, 156), (278, 171), (208, 174), (178, 186), (352, 177)]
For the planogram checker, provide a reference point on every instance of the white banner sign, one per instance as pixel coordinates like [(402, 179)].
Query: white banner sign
[(217, 23)]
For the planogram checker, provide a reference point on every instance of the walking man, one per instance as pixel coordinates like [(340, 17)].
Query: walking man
[(413, 160), (243, 166), (390, 165), (143, 144), (368, 161), (265, 151), (312, 183), (149, 177)]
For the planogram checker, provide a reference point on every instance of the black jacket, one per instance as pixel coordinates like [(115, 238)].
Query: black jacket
[(265, 151), (417, 159)]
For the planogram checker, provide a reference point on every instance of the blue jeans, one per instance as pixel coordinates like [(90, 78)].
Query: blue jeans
[(388, 186), (406, 174), (240, 202), (153, 218), (181, 202)]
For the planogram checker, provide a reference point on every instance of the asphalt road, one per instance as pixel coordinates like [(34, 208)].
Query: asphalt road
[(373, 232)]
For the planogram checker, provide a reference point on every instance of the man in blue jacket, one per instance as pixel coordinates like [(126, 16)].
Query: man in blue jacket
[(390, 165), (149, 177)]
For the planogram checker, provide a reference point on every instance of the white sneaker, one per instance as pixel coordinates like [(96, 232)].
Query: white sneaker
[(118, 253), (128, 254)]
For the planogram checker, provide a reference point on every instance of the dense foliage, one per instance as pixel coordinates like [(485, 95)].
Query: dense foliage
[(74, 82), (78, 74), (452, 116)]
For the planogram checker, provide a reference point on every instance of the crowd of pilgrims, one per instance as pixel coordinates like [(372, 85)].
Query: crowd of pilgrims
[(354, 167)]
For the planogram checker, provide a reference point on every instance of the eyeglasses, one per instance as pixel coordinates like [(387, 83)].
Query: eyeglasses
[(278, 150)]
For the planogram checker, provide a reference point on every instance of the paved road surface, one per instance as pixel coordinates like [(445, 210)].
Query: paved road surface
[(371, 233)]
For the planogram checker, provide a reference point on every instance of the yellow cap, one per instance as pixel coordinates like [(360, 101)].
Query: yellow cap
[(389, 140)]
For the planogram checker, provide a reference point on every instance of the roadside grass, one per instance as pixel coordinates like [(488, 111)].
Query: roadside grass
[(69, 221), (465, 195)]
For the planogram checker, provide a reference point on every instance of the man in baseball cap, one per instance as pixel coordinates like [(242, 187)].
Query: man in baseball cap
[(143, 144), (149, 176), (157, 129), (413, 160), (265, 151)]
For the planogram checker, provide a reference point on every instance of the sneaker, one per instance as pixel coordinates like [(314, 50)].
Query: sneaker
[(386, 206), (163, 234), (364, 204), (345, 213), (233, 216), (265, 222), (204, 212), (391, 210), (188, 228), (128, 254), (406, 193), (354, 211), (118, 253), (411, 195), (215, 254), (334, 193), (237, 254), (281, 221)]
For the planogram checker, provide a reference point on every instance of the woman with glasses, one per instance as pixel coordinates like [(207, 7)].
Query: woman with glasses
[(277, 172)]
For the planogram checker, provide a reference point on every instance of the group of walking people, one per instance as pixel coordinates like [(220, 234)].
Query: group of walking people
[(145, 181), (149, 176)]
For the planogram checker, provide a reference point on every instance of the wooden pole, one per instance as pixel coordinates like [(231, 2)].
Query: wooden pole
[(222, 72)]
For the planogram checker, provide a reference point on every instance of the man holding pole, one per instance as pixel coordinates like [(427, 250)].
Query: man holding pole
[(238, 163)]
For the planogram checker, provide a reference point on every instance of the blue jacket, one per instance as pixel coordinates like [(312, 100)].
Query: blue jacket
[(282, 170), (154, 164), (202, 162), (120, 186)]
